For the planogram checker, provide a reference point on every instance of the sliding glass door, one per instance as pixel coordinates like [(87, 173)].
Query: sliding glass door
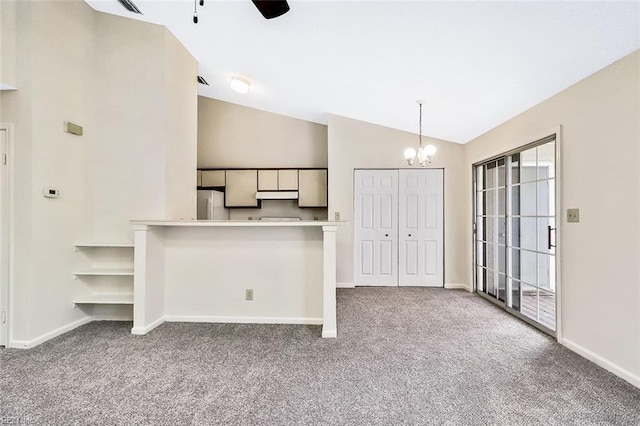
[(515, 232)]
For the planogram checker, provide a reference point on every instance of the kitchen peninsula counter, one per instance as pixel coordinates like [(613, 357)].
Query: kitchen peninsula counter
[(200, 271)]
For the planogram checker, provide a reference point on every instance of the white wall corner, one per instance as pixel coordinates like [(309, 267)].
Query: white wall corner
[(345, 285), (458, 286), (602, 362), (28, 344)]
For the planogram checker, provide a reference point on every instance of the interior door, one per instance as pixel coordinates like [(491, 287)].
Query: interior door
[(421, 228), (376, 227)]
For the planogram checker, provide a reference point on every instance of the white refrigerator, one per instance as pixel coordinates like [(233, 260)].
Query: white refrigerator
[(211, 205)]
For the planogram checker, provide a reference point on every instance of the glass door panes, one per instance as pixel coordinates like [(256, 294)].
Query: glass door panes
[(491, 204), (515, 232)]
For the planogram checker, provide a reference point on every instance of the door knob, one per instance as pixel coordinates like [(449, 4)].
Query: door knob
[(386, 235), (409, 234)]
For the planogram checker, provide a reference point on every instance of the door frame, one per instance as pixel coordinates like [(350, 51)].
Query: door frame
[(559, 209), (444, 216), (6, 238)]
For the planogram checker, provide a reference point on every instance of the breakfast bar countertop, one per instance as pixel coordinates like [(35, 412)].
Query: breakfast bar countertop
[(236, 223)]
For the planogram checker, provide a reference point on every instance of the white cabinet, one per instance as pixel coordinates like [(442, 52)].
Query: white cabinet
[(312, 188), (212, 178), (288, 180), (240, 189), (278, 180), (267, 180)]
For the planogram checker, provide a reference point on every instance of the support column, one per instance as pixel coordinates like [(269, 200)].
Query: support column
[(329, 321), (139, 277), (148, 279)]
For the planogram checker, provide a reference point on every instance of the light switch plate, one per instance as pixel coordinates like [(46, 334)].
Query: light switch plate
[(337, 215), (249, 294), (573, 215)]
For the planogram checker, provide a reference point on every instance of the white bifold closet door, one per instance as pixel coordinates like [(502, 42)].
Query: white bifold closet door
[(399, 227), (420, 228), (376, 227)]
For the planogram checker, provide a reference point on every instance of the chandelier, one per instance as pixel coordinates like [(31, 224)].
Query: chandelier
[(425, 153)]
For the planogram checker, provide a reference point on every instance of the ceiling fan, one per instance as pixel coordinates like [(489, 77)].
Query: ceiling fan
[(268, 8)]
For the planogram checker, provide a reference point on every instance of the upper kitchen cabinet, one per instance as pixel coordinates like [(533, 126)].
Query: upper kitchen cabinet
[(312, 188), (212, 178), (288, 180), (240, 189), (267, 180)]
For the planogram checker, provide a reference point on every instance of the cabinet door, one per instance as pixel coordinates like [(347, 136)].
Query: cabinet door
[(213, 178), (267, 180), (288, 180), (312, 188), (241, 188)]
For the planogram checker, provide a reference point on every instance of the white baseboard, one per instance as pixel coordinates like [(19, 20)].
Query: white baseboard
[(242, 320), (144, 330), (457, 286), (329, 334), (602, 362), (345, 285), (28, 344)]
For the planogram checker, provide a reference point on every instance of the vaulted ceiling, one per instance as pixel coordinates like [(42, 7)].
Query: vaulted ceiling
[(474, 64)]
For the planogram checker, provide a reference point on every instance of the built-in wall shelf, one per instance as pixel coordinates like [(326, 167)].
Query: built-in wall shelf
[(113, 272), (83, 245), (105, 299), (104, 271)]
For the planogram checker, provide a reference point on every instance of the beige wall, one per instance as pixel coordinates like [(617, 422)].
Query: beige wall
[(355, 144), (181, 130), (54, 87), (231, 135), (110, 75), (600, 154), (144, 158), (127, 176)]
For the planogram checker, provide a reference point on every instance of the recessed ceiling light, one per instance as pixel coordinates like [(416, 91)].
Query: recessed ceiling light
[(240, 85)]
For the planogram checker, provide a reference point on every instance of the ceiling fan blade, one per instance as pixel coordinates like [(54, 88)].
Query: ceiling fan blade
[(271, 8)]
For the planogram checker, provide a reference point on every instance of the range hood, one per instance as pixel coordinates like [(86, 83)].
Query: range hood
[(277, 195)]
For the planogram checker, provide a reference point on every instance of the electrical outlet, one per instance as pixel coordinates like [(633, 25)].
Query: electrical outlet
[(337, 215), (573, 215), (248, 293)]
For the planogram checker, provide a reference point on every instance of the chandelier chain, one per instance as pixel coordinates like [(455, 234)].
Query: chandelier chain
[(420, 126)]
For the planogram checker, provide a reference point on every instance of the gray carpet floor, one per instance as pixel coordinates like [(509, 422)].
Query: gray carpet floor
[(404, 356)]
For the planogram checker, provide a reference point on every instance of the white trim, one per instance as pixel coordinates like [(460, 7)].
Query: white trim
[(242, 320), (6, 262), (28, 344), (5, 86), (457, 286), (144, 330), (345, 285), (559, 227), (329, 334), (602, 362)]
